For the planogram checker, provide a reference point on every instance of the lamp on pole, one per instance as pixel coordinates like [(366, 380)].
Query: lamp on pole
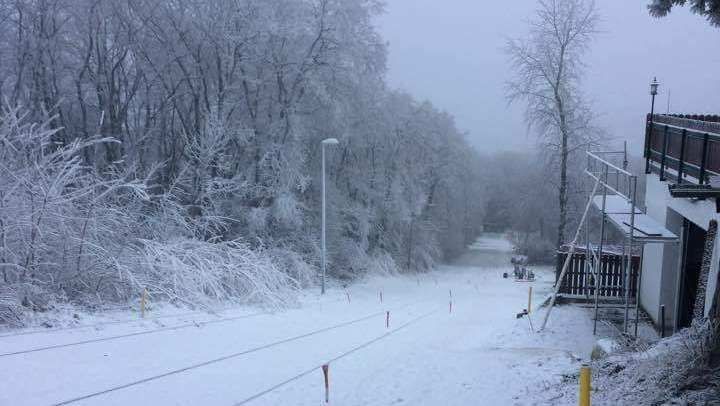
[(327, 141), (653, 92)]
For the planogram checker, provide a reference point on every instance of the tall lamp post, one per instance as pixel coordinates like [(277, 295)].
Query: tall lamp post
[(653, 92), (327, 141)]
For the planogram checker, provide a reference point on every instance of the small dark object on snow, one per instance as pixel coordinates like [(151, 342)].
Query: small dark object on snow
[(523, 274), (521, 314), (505, 275)]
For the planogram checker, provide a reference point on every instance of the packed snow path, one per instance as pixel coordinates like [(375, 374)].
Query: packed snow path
[(477, 354)]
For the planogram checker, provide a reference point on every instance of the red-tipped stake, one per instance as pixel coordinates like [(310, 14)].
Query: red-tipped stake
[(327, 383), (387, 319)]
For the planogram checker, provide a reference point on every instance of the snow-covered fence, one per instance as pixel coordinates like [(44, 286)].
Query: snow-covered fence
[(579, 281)]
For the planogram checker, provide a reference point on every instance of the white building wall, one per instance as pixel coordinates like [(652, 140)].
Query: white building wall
[(662, 262)]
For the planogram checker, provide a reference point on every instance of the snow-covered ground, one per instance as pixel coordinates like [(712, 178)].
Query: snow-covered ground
[(478, 354)]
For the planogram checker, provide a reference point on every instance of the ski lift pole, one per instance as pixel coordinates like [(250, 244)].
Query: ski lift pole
[(571, 251)]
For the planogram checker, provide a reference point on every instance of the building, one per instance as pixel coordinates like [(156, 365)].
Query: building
[(667, 260), (682, 155)]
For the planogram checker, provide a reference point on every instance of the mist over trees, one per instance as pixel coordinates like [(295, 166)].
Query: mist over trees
[(174, 145), (547, 74)]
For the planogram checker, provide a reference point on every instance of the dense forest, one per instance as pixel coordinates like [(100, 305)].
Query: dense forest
[(175, 146)]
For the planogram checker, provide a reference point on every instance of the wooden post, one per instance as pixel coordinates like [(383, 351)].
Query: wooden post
[(664, 154), (529, 299), (681, 163), (143, 301), (703, 158), (662, 321), (327, 382)]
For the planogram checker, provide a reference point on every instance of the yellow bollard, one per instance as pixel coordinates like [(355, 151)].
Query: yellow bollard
[(584, 399), (529, 299), (143, 300)]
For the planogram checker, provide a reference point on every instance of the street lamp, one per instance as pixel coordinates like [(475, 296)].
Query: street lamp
[(653, 92), (327, 141), (648, 132)]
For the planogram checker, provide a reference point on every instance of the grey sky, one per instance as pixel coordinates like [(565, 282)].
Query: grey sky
[(452, 53)]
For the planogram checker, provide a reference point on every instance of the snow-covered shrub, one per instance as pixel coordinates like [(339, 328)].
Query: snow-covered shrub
[(203, 273), (46, 201), (675, 370), (69, 233), (382, 264), (294, 265), (11, 311)]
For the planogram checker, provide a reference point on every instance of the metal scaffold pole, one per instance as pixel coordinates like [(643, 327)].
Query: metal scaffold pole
[(598, 269), (633, 181), (571, 250)]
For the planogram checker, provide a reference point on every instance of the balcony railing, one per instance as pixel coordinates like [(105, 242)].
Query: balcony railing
[(683, 148)]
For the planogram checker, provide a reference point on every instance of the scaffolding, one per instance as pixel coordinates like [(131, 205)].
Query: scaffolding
[(618, 205), (615, 196)]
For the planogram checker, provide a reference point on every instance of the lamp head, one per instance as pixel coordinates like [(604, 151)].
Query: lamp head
[(654, 87), (330, 141)]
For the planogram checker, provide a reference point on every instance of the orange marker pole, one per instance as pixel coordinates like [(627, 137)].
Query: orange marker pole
[(327, 383)]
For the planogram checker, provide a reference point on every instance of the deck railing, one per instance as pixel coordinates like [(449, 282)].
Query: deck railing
[(683, 148)]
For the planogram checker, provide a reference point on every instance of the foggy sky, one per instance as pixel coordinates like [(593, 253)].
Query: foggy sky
[(452, 53)]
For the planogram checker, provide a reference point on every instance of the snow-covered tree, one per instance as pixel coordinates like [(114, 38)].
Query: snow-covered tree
[(709, 9), (174, 145), (548, 69)]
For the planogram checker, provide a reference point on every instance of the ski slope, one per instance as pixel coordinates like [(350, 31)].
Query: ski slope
[(478, 354)]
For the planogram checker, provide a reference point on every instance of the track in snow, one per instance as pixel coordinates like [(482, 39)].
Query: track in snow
[(442, 358)]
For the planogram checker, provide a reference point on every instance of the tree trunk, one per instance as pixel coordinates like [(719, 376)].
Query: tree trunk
[(562, 195)]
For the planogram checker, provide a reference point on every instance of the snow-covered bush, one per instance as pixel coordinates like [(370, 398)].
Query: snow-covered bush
[(70, 233), (675, 370), (202, 273)]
